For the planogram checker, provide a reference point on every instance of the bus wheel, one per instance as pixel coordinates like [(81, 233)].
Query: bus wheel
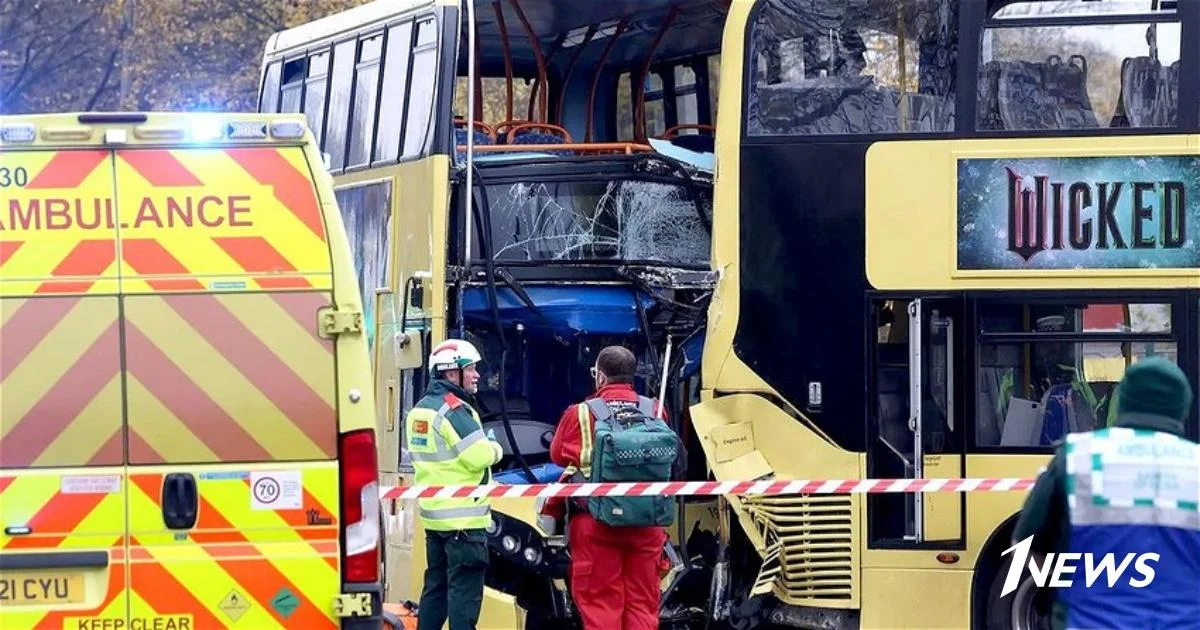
[(1023, 609)]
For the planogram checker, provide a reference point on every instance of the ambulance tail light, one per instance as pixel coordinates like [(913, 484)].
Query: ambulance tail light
[(360, 507)]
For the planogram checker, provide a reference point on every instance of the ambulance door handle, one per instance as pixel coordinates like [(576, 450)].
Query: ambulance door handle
[(180, 501)]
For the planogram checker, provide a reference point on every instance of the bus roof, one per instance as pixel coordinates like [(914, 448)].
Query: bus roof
[(547, 18), (350, 20)]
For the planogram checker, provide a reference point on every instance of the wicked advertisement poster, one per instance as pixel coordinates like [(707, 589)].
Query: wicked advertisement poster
[(1139, 212)]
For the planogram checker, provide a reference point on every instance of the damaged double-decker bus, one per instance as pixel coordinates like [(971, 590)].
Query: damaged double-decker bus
[(534, 176), (918, 239)]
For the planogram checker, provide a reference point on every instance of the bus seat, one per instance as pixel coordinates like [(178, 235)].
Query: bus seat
[(460, 140), (460, 137), (533, 137), (1172, 93), (1067, 83), (842, 105), (1022, 102), (1044, 95), (988, 99), (484, 135), (1149, 93), (1139, 92), (539, 134)]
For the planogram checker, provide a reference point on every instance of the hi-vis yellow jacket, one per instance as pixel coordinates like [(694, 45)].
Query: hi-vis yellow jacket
[(448, 447)]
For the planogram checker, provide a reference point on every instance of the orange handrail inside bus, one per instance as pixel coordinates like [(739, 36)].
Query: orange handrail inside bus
[(508, 71), (540, 89), (639, 124), (566, 80), (596, 75), (482, 126), (628, 148), (554, 129)]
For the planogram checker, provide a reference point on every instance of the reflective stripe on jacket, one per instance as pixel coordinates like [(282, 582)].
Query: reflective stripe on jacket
[(446, 442), (1134, 491), (592, 409)]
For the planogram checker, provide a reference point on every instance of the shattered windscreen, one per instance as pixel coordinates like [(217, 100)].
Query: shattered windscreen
[(630, 220)]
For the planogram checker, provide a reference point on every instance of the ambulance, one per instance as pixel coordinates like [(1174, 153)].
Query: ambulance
[(186, 406)]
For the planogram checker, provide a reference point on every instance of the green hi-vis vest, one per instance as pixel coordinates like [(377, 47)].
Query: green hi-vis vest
[(447, 444)]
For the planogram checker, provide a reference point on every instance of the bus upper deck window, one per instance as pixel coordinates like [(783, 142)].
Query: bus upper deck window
[(1036, 77), (1080, 8), (852, 68)]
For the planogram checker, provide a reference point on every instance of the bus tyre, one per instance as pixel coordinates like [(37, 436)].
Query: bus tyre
[(1022, 609)]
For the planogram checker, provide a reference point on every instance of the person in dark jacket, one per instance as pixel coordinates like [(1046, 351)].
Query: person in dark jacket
[(1132, 488)]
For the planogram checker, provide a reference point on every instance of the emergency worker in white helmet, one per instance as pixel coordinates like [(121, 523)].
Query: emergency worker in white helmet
[(448, 446)]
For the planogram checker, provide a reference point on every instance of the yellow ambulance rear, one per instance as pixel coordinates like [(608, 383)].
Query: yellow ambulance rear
[(186, 413)]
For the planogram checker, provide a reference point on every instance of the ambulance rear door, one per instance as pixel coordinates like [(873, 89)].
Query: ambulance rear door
[(63, 553), (232, 413)]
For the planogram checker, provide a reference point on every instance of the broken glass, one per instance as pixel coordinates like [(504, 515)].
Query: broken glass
[(631, 220), (852, 67)]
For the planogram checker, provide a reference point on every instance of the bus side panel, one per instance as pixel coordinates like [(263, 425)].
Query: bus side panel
[(420, 209)]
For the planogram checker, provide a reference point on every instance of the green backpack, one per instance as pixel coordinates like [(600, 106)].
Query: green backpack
[(628, 445)]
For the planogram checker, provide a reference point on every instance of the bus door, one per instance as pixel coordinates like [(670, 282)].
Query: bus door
[(918, 419)]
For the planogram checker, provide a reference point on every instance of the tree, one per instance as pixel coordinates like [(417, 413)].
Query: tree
[(59, 56), (207, 56), (141, 55)]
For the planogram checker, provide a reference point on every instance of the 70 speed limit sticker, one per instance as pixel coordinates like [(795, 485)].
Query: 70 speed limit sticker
[(276, 490)]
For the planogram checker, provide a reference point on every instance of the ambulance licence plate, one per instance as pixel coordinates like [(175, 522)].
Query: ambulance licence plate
[(39, 589)]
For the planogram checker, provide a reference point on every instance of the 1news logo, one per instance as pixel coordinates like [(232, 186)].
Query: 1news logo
[(1063, 563)]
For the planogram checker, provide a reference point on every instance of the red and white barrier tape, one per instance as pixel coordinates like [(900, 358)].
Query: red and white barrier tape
[(709, 488)]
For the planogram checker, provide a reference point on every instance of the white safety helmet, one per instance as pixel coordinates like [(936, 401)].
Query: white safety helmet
[(453, 354)]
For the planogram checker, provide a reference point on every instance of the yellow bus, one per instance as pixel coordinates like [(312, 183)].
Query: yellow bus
[(591, 167), (943, 230), (910, 243)]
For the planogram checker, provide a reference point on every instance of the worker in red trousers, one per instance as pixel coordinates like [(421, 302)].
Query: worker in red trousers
[(614, 571)]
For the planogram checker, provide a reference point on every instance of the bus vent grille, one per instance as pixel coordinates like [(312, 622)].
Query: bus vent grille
[(811, 549)]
